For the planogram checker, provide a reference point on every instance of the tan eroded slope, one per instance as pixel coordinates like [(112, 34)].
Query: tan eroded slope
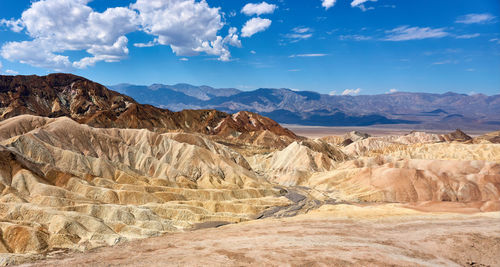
[(67, 185), (385, 179)]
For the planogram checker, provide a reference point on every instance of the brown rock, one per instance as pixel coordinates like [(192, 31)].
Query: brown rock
[(84, 101)]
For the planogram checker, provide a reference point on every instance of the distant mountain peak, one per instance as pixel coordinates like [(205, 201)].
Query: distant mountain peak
[(311, 108)]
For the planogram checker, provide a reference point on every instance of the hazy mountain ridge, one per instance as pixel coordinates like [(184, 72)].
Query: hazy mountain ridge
[(311, 108)]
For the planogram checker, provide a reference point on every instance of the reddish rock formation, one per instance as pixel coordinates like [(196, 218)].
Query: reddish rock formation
[(84, 101)]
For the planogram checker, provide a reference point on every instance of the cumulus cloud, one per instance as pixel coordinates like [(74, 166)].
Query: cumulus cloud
[(476, 18), (254, 26), (219, 45), (108, 53), (58, 26), (188, 27), (351, 91), (332, 93), (328, 3), (36, 53), (258, 9), (392, 91), (99, 34), (405, 33)]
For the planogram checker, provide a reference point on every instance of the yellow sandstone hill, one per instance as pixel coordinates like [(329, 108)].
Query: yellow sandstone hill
[(68, 185)]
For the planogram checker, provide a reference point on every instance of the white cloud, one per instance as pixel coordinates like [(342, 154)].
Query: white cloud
[(11, 72), (148, 44), (58, 26), (253, 52), (14, 25), (110, 53), (99, 34), (355, 37), (301, 29), (351, 91), (308, 55), (219, 46), (495, 40), (297, 36), (361, 4), (467, 36), (294, 70), (475, 18), (356, 3), (444, 62), (35, 53), (332, 93), (258, 9), (184, 59), (299, 33), (392, 91), (187, 26), (328, 3), (254, 26), (405, 33)]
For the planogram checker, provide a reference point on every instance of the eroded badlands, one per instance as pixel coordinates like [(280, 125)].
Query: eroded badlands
[(414, 199)]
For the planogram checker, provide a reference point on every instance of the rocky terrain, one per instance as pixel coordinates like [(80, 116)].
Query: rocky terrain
[(90, 103), (412, 110), (83, 167)]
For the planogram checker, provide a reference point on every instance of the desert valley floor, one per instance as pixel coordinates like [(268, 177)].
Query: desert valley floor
[(340, 235), (91, 177)]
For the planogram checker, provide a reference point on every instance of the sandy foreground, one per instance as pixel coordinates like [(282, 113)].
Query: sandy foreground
[(333, 235)]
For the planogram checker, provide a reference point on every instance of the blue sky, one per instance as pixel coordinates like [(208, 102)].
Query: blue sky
[(342, 46)]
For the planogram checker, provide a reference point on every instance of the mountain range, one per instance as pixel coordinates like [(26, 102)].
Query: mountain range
[(58, 95), (421, 110)]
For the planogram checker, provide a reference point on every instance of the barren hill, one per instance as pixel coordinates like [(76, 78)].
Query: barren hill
[(84, 101)]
